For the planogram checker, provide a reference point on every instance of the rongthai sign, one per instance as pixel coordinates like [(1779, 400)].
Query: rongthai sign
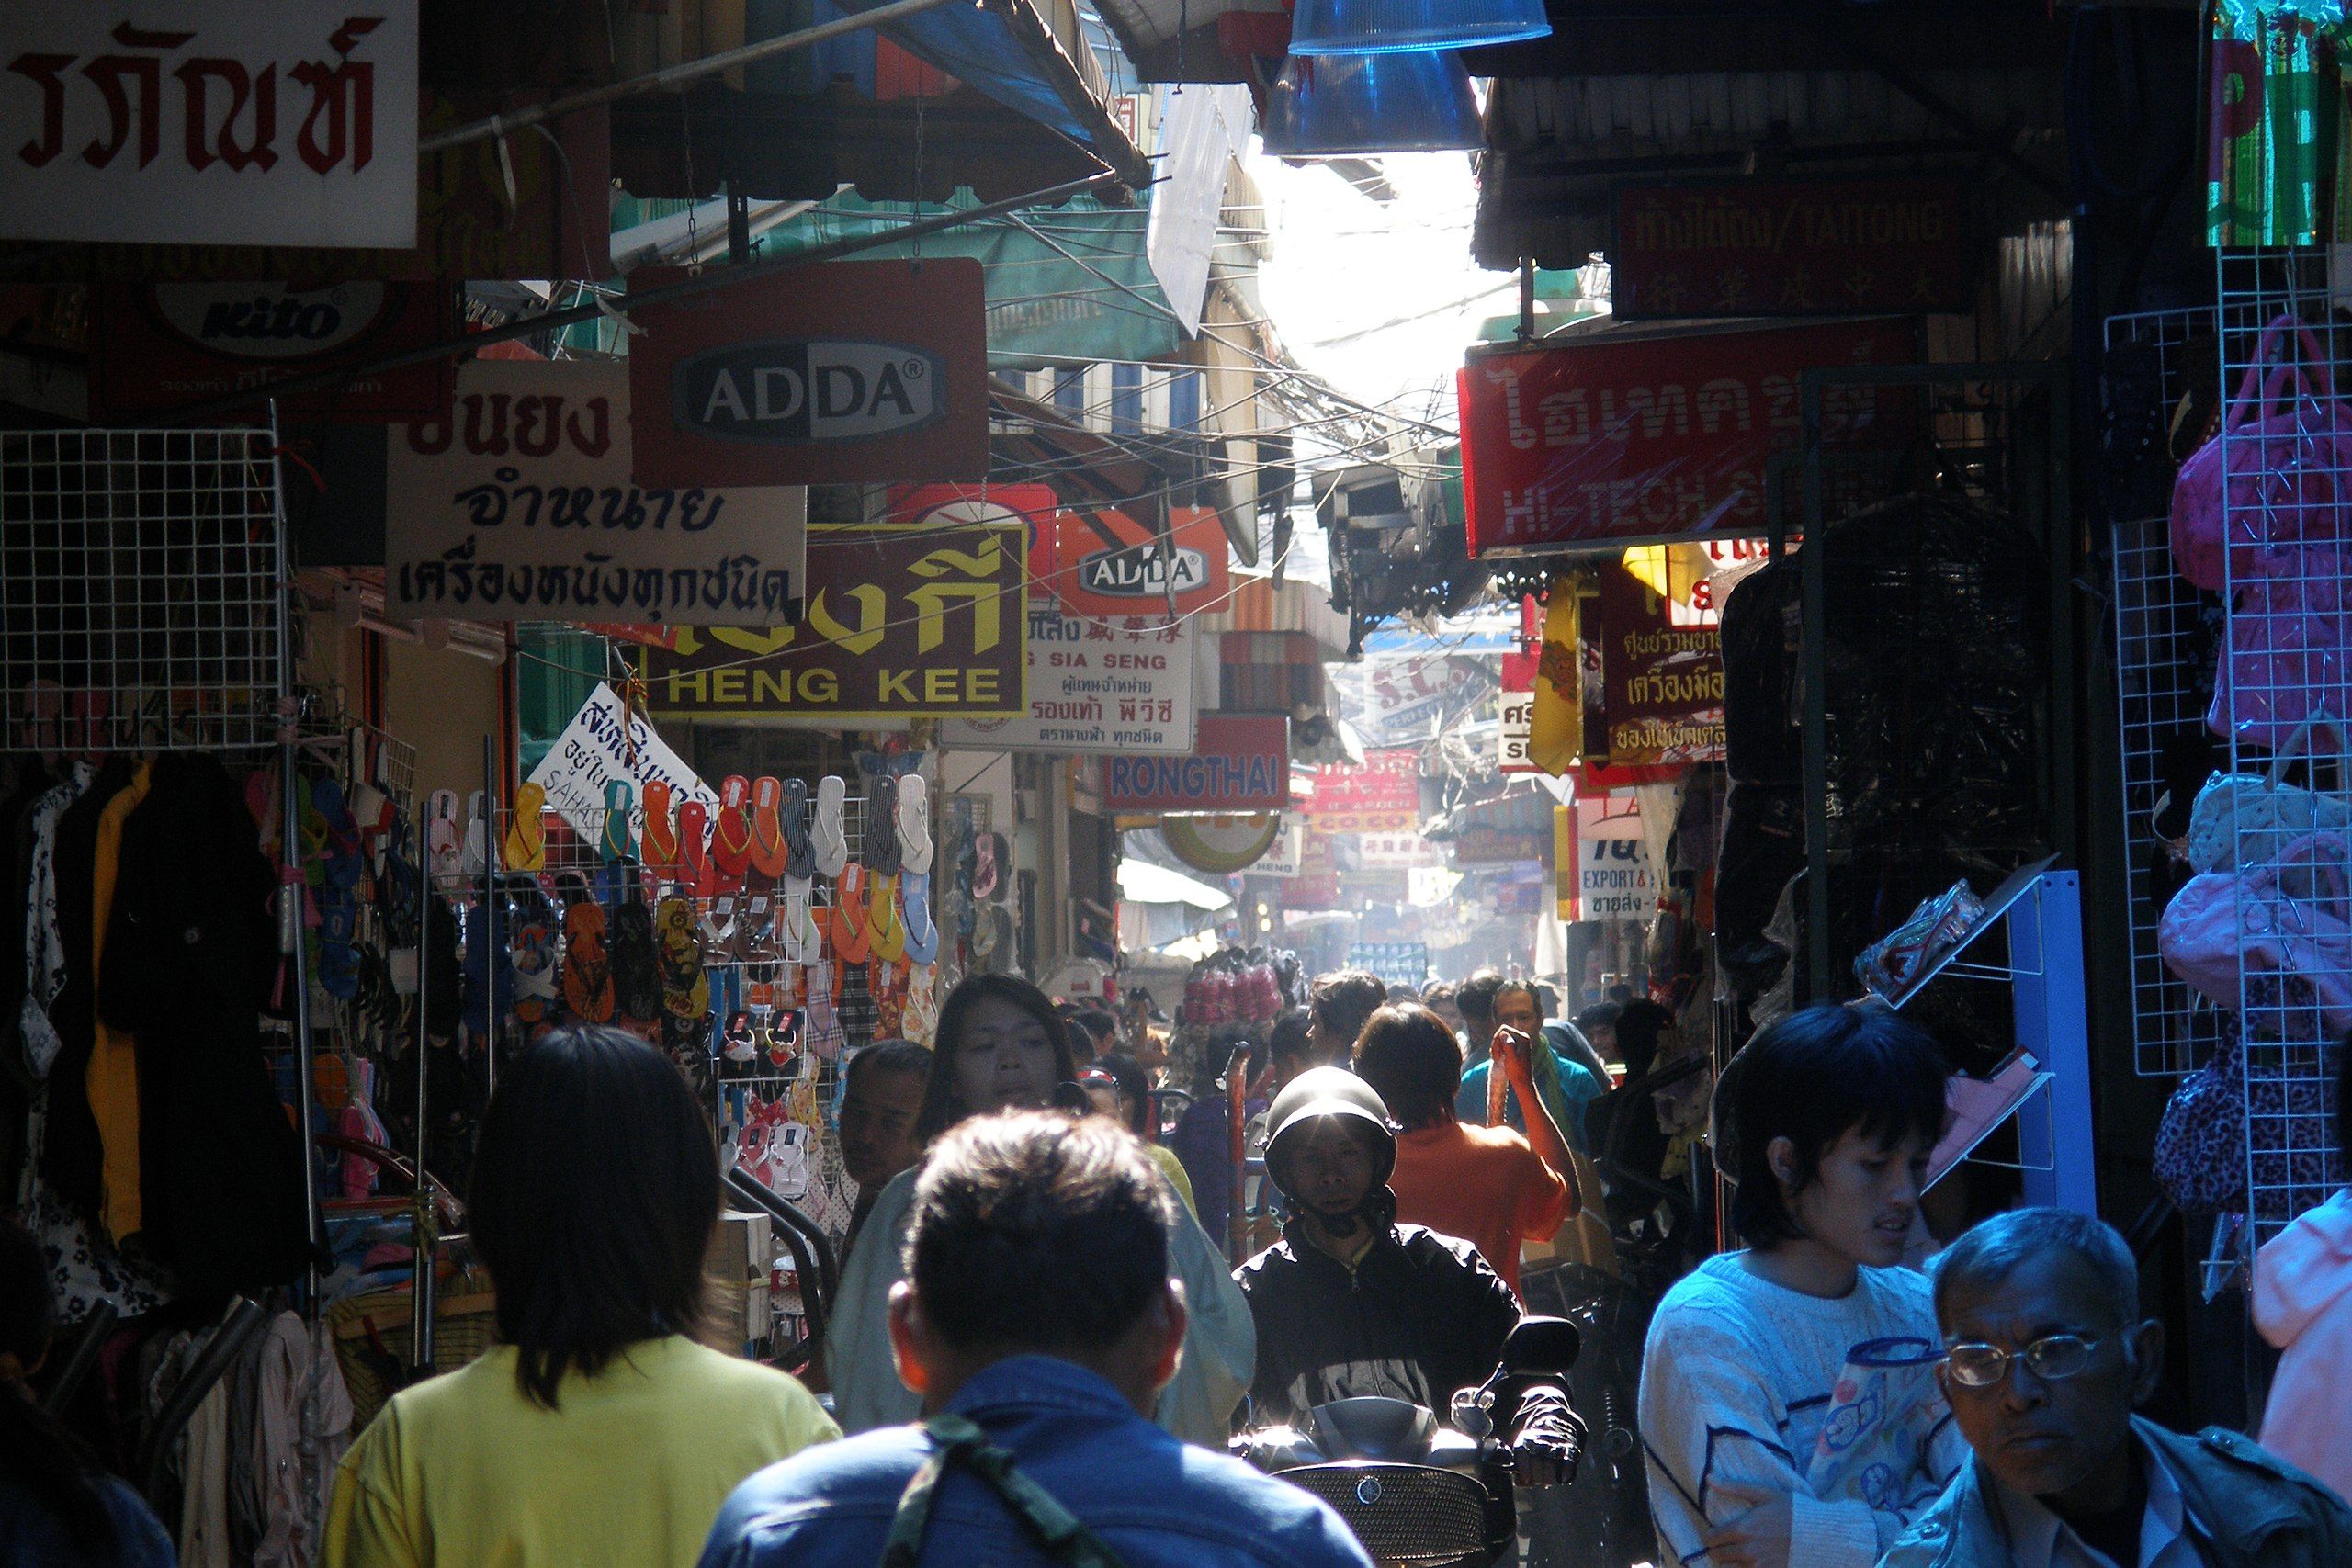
[(251, 122), (1097, 686), (841, 372), (160, 346), (1241, 764), (1834, 247), (901, 622), (1613, 438), (517, 506)]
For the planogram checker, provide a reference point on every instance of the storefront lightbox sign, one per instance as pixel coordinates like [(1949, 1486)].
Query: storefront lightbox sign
[(1384, 796), (594, 749), (1241, 764), (160, 346), (1097, 686), (1621, 437), (841, 372), (517, 505), (1661, 676), (244, 122), (1107, 563), (901, 622)]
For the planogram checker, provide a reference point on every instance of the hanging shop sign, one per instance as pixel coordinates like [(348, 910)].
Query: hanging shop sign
[(900, 623), (1835, 247), (1223, 845), (1240, 764), (841, 372), (1661, 676), (1402, 697), (257, 123), (1035, 509), (1400, 850), (1614, 437), (1384, 796), (1286, 856), (160, 346), (1396, 963), (1097, 686), (1481, 844), (1517, 733), (1105, 562), (605, 742), (517, 505), (1316, 885), (1615, 880)]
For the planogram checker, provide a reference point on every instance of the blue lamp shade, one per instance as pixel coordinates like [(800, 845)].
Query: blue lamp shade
[(1354, 106), (1391, 27)]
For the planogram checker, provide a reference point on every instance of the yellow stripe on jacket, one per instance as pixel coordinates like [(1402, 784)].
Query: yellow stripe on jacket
[(113, 1078)]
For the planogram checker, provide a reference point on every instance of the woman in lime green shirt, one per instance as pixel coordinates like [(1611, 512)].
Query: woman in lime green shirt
[(598, 1430)]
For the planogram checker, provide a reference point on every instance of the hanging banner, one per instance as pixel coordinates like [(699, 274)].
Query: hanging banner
[(1241, 764), (1316, 885), (594, 749), (1483, 845), (1382, 797), (841, 372), (1616, 437), (1615, 880), (1396, 963), (1834, 247), (1661, 676), (1105, 562), (160, 346), (1388, 851), (283, 123), (1406, 697), (1097, 686), (900, 623), (517, 506)]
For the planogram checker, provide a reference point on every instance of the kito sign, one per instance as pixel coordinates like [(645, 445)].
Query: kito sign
[(846, 372)]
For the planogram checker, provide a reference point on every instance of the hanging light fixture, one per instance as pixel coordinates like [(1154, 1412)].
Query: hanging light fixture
[(1353, 106), (1392, 26)]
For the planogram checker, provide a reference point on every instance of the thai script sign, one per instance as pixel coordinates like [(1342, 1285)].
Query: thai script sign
[(517, 506), (163, 345), (1382, 797), (1241, 764), (605, 742), (1097, 686), (264, 122), (1662, 682), (840, 372), (901, 622), (1791, 248), (1611, 438), (1614, 880)]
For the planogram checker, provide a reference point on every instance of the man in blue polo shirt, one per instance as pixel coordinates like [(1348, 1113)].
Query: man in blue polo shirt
[(1038, 1322)]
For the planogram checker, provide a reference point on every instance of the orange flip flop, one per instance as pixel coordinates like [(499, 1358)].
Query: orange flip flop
[(852, 939), (660, 838), (770, 854), (730, 836), (693, 850)]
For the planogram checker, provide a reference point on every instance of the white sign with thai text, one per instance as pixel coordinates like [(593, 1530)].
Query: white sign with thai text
[(218, 123), (596, 749), (1518, 732), (518, 507), (1097, 686), (1614, 880)]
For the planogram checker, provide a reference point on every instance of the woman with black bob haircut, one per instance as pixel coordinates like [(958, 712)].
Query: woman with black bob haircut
[(1001, 1047), (597, 1429), (1788, 1407), (58, 1509)]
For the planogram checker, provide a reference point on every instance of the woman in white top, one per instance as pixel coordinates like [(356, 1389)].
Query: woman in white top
[(1789, 1409)]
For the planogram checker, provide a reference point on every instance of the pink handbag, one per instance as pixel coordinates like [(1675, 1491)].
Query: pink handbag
[(2288, 658), (2287, 939), (2285, 440)]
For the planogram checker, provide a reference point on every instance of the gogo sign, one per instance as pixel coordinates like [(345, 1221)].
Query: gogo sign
[(793, 391), (843, 373)]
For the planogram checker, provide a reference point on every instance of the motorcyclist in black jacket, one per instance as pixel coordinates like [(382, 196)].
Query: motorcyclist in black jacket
[(1351, 1303)]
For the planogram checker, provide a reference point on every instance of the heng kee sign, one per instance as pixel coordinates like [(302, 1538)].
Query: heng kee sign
[(1616, 437)]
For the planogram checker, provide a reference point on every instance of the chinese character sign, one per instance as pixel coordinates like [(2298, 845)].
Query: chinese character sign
[(1382, 796), (246, 122)]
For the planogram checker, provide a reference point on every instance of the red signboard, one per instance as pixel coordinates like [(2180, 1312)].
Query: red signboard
[(1241, 764), (1382, 797), (1034, 507), (844, 372), (1791, 248), (1612, 437), (161, 346), (1106, 563)]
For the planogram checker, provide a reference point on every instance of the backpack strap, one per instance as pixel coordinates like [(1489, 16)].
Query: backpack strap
[(1053, 1527)]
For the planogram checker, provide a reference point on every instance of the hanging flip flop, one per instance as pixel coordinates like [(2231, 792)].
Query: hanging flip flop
[(801, 934), (685, 990), (915, 847), (852, 939), (695, 869), (475, 858), (828, 837), (343, 846), (441, 836), (730, 833), (921, 1017), (770, 853), (878, 849), (636, 963), (530, 953), (718, 928), (822, 1034), (659, 834), (617, 843), (914, 913), (889, 936), (987, 869), (799, 848), (587, 967), (755, 936), (524, 845), (338, 959)]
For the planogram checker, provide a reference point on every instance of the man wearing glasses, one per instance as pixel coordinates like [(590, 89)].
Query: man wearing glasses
[(2046, 1355)]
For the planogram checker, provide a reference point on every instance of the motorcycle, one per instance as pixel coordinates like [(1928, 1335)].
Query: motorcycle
[(1412, 1490)]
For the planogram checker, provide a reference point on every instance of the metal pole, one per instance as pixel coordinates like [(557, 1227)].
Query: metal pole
[(425, 1236), (675, 75), (1815, 640), (489, 900)]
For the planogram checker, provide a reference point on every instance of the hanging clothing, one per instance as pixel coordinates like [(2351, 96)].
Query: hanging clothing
[(289, 1359), (204, 1484), (113, 1075), (44, 949), (72, 1161)]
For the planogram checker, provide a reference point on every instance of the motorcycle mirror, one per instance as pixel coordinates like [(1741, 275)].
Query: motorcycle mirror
[(1542, 1344)]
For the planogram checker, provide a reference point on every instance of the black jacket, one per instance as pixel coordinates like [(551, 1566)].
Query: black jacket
[(1420, 1317)]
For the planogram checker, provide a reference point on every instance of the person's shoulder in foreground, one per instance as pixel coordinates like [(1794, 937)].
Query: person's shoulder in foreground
[(1152, 1500)]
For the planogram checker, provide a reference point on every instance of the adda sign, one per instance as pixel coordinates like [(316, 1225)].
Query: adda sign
[(842, 373)]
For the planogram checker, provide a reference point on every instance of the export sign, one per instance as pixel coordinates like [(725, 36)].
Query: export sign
[(900, 623), (160, 345), (1382, 797), (842, 372), (1097, 686), (1661, 682), (1612, 438), (1834, 247), (1241, 764), (247, 122)]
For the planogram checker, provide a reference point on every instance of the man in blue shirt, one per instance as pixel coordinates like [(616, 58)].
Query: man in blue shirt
[(1038, 1322), (1567, 1082)]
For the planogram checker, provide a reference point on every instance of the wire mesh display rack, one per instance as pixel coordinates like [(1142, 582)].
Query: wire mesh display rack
[(2285, 682)]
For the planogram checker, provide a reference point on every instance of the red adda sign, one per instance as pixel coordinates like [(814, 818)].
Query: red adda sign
[(1615, 438)]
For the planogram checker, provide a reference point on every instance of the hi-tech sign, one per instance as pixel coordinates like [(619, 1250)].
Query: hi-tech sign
[(843, 372)]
